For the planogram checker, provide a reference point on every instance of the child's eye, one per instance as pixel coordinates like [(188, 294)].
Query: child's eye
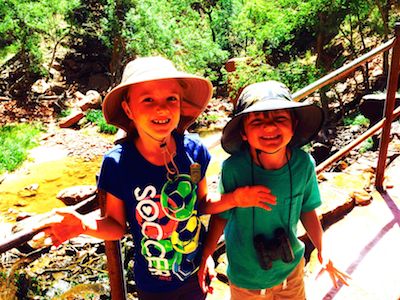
[(148, 99), (256, 123), (281, 119), (172, 99)]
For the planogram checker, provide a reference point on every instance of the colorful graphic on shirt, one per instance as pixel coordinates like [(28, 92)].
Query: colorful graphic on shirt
[(187, 266), (186, 238), (160, 255), (178, 197), (170, 227), (145, 212)]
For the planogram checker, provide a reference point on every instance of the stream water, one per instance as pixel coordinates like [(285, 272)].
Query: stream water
[(33, 188)]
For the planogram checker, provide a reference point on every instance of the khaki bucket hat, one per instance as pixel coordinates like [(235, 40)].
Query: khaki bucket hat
[(196, 91), (266, 96)]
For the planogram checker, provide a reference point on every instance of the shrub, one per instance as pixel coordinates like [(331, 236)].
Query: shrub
[(356, 120), (296, 74), (368, 144), (15, 141), (95, 116)]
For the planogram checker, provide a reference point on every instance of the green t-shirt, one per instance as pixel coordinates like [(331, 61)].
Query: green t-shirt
[(245, 223)]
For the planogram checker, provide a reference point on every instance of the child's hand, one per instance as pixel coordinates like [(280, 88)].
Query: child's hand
[(257, 195), (206, 273), (64, 225), (335, 275)]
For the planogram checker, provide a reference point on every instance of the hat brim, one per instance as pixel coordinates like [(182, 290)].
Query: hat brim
[(309, 117), (196, 92)]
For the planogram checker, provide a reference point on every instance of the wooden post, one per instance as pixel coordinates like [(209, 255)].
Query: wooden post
[(389, 107), (114, 260)]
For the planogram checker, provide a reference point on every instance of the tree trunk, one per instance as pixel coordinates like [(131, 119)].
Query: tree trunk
[(384, 11), (119, 47)]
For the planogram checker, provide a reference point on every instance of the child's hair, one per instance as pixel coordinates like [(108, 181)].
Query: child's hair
[(268, 96)]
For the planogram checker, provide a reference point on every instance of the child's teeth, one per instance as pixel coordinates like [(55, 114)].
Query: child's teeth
[(161, 121)]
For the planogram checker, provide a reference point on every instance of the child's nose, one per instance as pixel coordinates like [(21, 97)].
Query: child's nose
[(269, 124), (162, 107)]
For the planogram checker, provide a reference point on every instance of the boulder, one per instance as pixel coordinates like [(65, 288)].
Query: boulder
[(92, 100), (372, 106), (71, 120), (76, 194)]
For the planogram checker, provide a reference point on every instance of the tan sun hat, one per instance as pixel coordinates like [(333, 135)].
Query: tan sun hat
[(196, 91)]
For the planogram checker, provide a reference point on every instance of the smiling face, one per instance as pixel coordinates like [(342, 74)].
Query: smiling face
[(154, 107), (269, 132)]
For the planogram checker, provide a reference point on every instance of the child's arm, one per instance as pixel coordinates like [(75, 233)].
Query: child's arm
[(215, 230), (247, 196), (69, 224), (313, 227)]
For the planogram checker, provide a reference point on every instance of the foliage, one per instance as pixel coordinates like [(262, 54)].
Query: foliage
[(15, 141), (65, 112), (25, 24), (356, 120), (96, 116), (293, 41), (198, 35), (174, 30), (368, 144), (282, 28), (296, 74)]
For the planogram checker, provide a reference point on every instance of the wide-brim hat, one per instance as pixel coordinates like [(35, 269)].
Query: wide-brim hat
[(267, 96), (196, 91)]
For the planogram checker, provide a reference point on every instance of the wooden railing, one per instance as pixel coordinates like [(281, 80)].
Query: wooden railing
[(389, 114)]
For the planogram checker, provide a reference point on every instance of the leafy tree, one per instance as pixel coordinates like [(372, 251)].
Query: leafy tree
[(27, 23), (175, 30)]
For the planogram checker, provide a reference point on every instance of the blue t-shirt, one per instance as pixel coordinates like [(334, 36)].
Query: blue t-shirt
[(162, 214)]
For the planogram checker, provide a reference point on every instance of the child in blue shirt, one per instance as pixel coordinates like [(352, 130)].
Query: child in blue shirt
[(155, 179)]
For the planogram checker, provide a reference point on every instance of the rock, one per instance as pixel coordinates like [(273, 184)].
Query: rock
[(341, 87), (99, 82), (76, 194), (29, 191), (56, 66), (79, 95), (71, 120), (372, 106), (361, 197), (40, 86), (21, 203), (91, 100), (376, 72), (320, 152), (58, 89), (22, 216)]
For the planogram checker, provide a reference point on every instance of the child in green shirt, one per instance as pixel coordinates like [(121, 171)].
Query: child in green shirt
[(264, 137)]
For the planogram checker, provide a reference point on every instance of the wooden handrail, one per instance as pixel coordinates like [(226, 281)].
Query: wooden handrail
[(115, 266), (392, 85), (342, 71), (342, 152), (389, 114)]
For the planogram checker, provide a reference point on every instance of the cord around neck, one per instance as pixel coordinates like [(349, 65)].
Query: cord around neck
[(258, 152)]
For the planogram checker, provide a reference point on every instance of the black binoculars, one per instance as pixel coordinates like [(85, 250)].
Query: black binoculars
[(269, 250)]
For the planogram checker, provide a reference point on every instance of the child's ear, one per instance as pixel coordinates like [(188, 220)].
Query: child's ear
[(243, 135), (126, 109)]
